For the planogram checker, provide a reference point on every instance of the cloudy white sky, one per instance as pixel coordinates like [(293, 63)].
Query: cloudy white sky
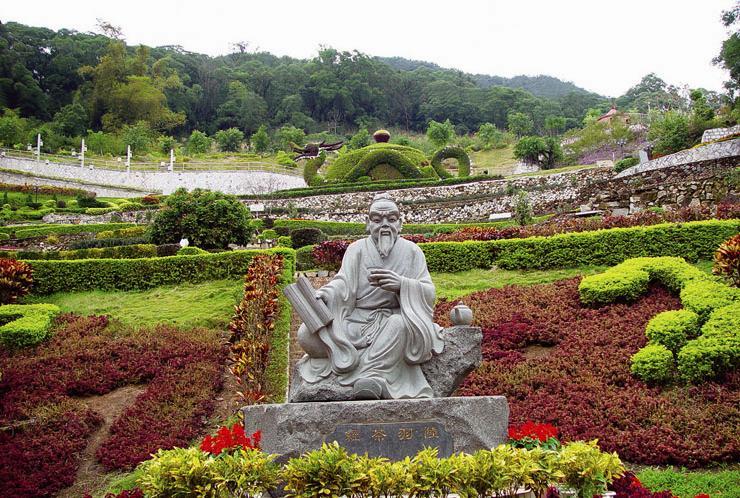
[(603, 46)]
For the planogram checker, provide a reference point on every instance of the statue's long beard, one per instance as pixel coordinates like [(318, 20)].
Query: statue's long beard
[(385, 244)]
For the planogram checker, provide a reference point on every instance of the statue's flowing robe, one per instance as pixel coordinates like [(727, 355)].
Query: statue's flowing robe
[(375, 333)]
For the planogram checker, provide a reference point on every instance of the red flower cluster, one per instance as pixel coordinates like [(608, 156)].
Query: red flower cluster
[(228, 439), (533, 430)]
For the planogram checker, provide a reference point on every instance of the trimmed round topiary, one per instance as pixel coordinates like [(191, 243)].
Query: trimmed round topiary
[(368, 164), (451, 152), (381, 136), (653, 363), (673, 329), (284, 241), (306, 237)]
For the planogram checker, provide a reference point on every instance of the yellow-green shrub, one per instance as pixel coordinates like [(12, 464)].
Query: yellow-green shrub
[(654, 363), (673, 328), (26, 324)]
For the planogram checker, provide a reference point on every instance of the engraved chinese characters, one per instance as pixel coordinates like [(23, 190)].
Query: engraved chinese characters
[(393, 440)]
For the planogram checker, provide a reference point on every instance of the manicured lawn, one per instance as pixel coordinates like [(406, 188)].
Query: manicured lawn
[(721, 483), (454, 285), (208, 304), (556, 170), (496, 161)]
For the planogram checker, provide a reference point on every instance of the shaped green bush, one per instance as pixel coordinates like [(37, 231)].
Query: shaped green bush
[(367, 166), (306, 236), (451, 152), (311, 169), (625, 285), (673, 329), (284, 241), (654, 364), (704, 296), (723, 321), (304, 259), (709, 357), (121, 233), (341, 169), (26, 324)]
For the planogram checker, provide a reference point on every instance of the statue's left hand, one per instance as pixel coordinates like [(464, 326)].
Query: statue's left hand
[(385, 279)]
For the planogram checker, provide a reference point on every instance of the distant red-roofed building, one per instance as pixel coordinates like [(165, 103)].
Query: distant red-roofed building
[(613, 113)]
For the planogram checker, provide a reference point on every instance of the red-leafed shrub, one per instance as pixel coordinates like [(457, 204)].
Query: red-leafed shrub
[(228, 439), (727, 260), (328, 255), (182, 371), (150, 200), (570, 365), (252, 327), (16, 279), (126, 493), (728, 210)]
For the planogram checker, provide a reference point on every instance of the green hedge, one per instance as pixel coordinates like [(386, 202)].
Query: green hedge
[(276, 374), (42, 231), (608, 287), (122, 233), (346, 187), (131, 251), (303, 258), (145, 273), (27, 324), (654, 363), (345, 167)]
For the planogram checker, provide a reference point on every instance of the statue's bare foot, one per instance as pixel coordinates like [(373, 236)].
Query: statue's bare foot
[(367, 389)]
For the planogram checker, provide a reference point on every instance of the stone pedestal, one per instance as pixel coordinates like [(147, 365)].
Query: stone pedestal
[(390, 428)]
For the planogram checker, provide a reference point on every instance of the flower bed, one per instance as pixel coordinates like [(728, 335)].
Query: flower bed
[(87, 357), (584, 386)]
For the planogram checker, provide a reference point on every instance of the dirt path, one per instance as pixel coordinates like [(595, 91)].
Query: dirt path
[(109, 406)]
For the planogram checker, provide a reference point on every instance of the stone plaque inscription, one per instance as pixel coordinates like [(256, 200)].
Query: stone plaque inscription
[(395, 441)]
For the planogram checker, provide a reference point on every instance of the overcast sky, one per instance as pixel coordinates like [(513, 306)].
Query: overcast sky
[(603, 46)]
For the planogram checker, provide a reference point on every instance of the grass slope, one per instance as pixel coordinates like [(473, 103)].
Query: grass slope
[(208, 304)]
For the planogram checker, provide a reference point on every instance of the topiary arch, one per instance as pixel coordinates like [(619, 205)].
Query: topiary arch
[(384, 156), (451, 152)]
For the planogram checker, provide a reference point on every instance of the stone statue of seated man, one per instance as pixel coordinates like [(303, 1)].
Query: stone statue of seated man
[(381, 301)]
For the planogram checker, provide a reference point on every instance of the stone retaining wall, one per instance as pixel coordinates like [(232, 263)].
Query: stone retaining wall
[(165, 182), (453, 203), (719, 133)]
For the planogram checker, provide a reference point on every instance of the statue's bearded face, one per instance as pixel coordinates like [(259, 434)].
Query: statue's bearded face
[(384, 225)]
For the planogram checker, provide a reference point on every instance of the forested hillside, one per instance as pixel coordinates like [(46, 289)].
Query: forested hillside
[(90, 81)]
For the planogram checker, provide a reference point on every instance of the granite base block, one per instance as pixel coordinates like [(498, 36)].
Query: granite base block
[(390, 428)]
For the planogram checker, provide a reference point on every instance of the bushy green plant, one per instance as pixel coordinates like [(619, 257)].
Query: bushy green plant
[(304, 259), (440, 134), (654, 364), (587, 469), (198, 143), (261, 140), (670, 133), (368, 164), (268, 234), (229, 140), (348, 163), (26, 325), (306, 236), (329, 471), (284, 241), (673, 328), (625, 163), (210, 220), (523, 209), (723, 321)]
